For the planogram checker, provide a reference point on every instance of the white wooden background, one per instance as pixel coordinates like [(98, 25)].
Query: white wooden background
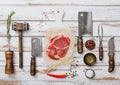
[(40, 14)]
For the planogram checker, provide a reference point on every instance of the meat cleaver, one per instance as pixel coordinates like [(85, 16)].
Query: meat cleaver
[(36, 44), (84, 27)]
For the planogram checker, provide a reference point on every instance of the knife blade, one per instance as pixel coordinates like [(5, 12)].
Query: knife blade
[(36, 51), (111, 49), (84, 27), (100, 34)]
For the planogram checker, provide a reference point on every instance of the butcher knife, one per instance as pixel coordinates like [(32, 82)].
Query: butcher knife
[(36, 44), (111, 47), (84, 27)]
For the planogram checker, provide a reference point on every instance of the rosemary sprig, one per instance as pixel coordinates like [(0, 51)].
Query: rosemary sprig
[(8, 26)]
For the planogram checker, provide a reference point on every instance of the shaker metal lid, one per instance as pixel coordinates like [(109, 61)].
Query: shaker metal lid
[(90, 73)]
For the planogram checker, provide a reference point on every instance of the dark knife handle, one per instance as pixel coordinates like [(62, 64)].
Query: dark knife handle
[(33, 66), (80, 44), (111, 63), (100, 53)]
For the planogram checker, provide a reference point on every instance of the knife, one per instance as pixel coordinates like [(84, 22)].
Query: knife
[(100, 34), (84, 27), (111, 47), (36, 44)]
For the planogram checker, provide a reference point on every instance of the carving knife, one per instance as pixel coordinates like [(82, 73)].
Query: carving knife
[(84, 27), (111, 47)]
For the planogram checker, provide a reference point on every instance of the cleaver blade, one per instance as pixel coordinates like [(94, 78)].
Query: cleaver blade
[(84, 27)]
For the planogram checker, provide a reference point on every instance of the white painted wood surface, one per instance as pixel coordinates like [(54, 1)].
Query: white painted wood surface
[(40, 15)]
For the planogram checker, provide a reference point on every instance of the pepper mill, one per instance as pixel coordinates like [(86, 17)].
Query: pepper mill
[(9, 68)]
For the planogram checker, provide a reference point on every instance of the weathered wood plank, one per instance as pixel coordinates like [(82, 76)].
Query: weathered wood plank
[(40, 15), (48, 13), (78, 59), (80, 79), (104, 82), (38, 82), (27, 43), (52, 82), (38, 28), (59, 3)]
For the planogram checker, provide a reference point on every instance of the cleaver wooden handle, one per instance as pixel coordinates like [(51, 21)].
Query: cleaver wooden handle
[(33, 66), (100, 53), (80, 44), (111, 63)]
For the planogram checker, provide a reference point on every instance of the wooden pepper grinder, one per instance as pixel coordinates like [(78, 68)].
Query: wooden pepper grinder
[(9, 68)]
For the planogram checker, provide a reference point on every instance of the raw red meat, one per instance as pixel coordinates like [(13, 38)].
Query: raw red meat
[(53, 38), (61, 42), (62, 52), (58, 47), (51, 51)]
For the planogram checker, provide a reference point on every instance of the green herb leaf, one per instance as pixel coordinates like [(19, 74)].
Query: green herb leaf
[(8, 26)]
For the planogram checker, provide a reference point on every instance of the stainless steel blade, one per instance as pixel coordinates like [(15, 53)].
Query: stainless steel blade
[(100, 33), (85, 23), (36, 47), (33, 47), (111, 45)]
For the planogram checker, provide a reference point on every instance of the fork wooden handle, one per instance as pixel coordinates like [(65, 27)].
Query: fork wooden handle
[(101, 53)]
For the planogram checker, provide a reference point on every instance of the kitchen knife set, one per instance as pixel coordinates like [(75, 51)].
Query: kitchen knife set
[(84, 27)]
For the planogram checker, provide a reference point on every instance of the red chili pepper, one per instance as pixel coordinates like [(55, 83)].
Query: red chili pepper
[(58, 75)]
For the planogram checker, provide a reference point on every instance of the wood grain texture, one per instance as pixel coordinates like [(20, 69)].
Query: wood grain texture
[(37, 28), (60, 3), (78, 58), (41, 15), (41, 78), (47, 13)]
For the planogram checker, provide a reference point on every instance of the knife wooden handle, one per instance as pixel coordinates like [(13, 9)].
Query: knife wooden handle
[(33, 66), (111, 63), (9, 68), (100, 53), (80, 44)]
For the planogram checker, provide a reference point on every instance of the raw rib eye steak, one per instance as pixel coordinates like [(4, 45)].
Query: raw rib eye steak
[(58, 47)]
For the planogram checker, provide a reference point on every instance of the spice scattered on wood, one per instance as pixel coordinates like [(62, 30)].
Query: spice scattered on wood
[(74, 68)]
